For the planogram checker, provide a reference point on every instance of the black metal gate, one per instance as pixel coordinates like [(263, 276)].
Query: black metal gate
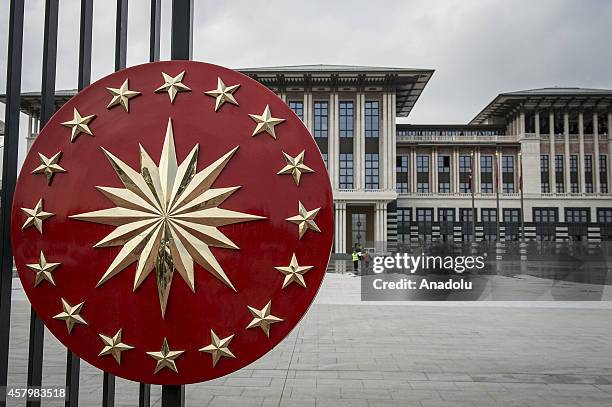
[(181, 48)]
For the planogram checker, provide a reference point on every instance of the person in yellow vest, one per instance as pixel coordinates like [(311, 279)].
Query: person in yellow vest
[(355, 258)]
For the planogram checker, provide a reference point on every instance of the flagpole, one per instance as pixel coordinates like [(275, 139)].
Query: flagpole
[(520, 156), (473, 197), (497, 190)]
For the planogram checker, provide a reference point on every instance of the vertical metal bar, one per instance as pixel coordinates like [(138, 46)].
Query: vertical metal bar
[(121, 35), (108, 390), (73, 366), (144, 395), (73, 363), (85, 44), (155, 31), (173, 396), (37, 331), (108, 380), (9, 177), (181, 41)]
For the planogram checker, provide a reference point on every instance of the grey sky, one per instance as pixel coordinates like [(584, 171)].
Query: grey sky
[(478, 48)]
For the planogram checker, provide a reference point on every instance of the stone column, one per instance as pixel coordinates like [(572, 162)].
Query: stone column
[(476, 174), (332, 155), (340, 224), (551, 170), (306, 112), (521, 122), (393, 141), (413, 176), (383, 164), (362, 142), (596, 180), (609, 152), (357, 152), (581, 175), (566, 160), (498, 169), (434, 170)]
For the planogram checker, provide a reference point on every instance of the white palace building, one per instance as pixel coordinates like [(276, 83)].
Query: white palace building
[(395, 183)]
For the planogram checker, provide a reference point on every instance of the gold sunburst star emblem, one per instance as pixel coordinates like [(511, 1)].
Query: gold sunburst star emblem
[(167, 218)]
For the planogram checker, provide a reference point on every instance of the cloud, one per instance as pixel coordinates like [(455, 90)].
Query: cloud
[(478, 48)]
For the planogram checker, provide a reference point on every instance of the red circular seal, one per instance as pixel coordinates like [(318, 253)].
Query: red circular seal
[(172, 222)]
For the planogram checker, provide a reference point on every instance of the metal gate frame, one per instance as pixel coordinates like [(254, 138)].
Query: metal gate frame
[(181, 48)]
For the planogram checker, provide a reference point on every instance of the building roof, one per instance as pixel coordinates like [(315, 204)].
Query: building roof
[(407, 82), (544, 98)]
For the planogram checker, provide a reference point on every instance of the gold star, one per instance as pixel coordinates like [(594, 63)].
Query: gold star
[(113, 346), (36, 216), (294, 272), (173, 85), (295, 166), (167, 217), (305, 219), (263, 318), (49, 166), (165, 357), (43, 270), (122, 96), (223, 94), (71, 315), (265, 122), (218, 348), (79, 124)]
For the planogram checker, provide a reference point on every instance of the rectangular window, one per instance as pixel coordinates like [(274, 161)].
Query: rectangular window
[(346, 171), (577, 215), (465, 172), (544, 173), (559, 171), (603, 174), (401, 169), (298, 108), (507, 174), (573, 173), (588, 174), (443, 173), (346, 116), (489, 214), (604, 215), (465, 215), (372, 115), (422, 173), (545, 215), (321, 127), (371, 171), (512, 215), (404, 217), (486, 173), (446, 214), (424, 214)]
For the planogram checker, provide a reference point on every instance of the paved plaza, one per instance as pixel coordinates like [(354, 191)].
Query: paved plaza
[(370, 354)]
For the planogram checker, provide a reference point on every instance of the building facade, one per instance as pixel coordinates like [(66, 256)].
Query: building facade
[(398, 183)]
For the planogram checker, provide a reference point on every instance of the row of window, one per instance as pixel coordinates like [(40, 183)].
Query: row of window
[(559, 123), (465, 173), (573, 174), (453, 132), (510, 215), (346, 116)]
